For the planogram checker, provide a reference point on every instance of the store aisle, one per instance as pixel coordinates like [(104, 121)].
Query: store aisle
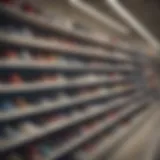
[(135, 148), (68, 91)]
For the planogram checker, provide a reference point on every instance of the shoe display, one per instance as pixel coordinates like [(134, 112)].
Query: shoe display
[(66, 88)]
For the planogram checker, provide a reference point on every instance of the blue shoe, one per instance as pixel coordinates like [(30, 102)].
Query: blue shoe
[(6, 106)]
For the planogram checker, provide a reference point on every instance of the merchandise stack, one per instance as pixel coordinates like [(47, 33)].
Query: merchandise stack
[(63, 94)]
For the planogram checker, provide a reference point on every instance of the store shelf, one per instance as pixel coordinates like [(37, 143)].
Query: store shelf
[(38, 86), (77, 50), (105, 148), (58, 66), (52, 128), (92, 78), (74, 143), (41, 22), (58, 105), (49, 45)]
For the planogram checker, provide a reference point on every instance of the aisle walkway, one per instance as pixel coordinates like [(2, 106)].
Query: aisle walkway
[(135, 148)]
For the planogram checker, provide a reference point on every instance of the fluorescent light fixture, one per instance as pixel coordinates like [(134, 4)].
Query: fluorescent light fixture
[(108, 21), (133, 22)]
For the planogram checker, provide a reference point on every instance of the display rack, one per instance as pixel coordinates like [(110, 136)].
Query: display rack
[(40, 22), (103, 95)]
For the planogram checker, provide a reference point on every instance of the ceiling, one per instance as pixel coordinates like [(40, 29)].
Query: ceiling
[(146, 11)]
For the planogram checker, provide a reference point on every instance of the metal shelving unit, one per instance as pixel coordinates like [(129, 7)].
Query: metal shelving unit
[(134, 100), (41, 22), (53, 106), (67, 123), (6, 89)]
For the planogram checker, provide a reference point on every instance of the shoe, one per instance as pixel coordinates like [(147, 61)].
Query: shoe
[(25, 55), (10, 55), (15, 78), (6, 106), (21, 102), (10, 132), (28, 128)]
